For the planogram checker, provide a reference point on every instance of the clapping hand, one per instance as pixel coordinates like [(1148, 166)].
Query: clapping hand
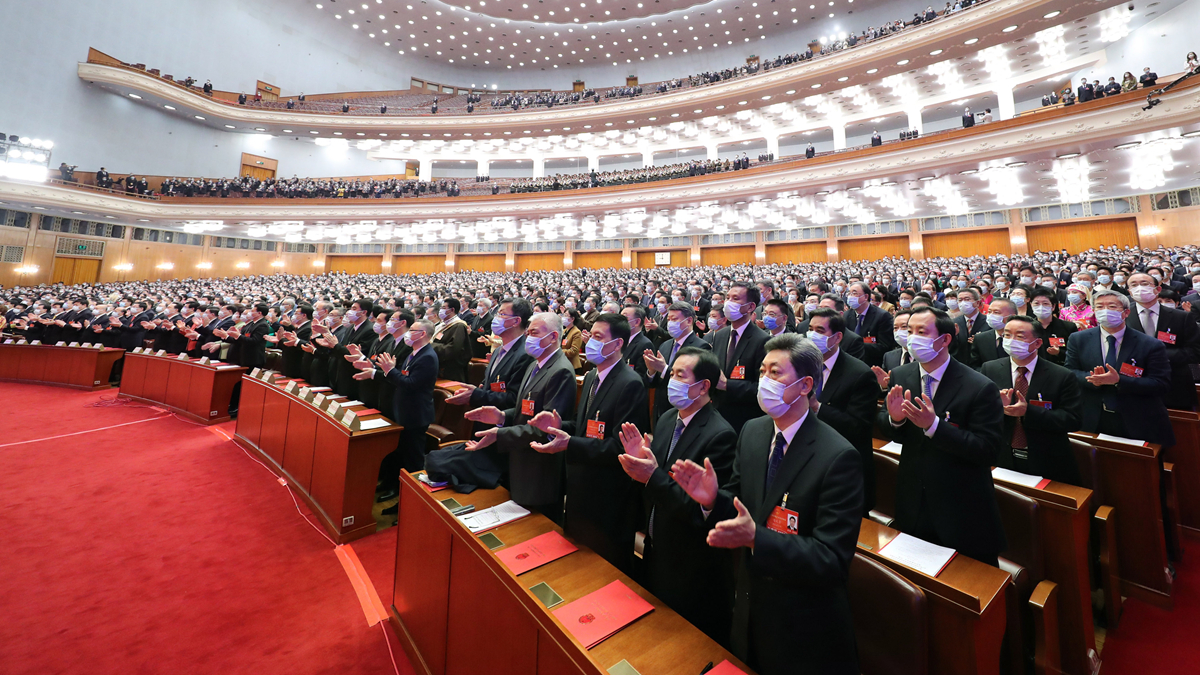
[(546, 420), (919, 412), (699, 483), (462, 396), (386, 361), (654, 362), (1102, 375), (881, 376), (554, 445), (1014, 403), (735, 532), (355, 353), (488, 414), (486, 438), (638, 461)]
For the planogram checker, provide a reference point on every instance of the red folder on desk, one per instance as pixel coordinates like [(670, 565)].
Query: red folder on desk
[(598, 616), (531, 554), (726, 668), (364, 413)]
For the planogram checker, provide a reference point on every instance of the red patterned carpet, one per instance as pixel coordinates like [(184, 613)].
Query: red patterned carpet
[(149, 544)]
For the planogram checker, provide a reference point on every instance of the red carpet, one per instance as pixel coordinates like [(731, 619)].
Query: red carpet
[(161, 547)]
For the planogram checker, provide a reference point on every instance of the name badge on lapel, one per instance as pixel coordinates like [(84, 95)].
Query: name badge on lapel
[(527, 407), (1058, 342), (1166, 336), (498, 387), (784, 520), (595, 429), (739, 373), (868, 340), (1047, 405), (1131, 369)]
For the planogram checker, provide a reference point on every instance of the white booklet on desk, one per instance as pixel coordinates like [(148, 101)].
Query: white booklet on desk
[(478, 521), (920, 555), (377, 423), (1120, 439), (891, 447)]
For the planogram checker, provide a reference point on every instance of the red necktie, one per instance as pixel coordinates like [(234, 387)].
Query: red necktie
[(1021, 385)]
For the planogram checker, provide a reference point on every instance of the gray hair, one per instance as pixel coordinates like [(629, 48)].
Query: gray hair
[(683, 308), (553, 321), (1005, 301), (1105, 293), (423, 325), (806, 359)]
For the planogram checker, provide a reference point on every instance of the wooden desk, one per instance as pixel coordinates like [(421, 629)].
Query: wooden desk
[(198, 391), (76, 367), (1185, 455), (459, 611), (451, 416), (332, 468), (966, 607), (1130, 476), (1064, 513)]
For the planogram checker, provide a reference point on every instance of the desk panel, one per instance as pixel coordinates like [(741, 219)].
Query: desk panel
[(274, 425), (133, 375), (197, 391), (157, 370), (76, 367), (250, 410), (32, 366), (179, 382), (298, 444)]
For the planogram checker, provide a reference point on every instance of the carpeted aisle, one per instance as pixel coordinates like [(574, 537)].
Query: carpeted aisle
[(161, 547)]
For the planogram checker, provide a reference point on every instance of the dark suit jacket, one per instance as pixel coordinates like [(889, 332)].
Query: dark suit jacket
[(1058, 328), (343, 371), (681, 569), (633, 352), (294, 357), (1046, 429), (132, 333), (600, 506), (985, 349), (509, 373), (369, 390), (960, 348), (892, 359), (252, 351), (454, 350), (1139, 399), (659, 380), (1184, 352), (535, 478), (876, 333), (791, 611), (739, 402), (849, 401), (412, 398), (951, 472), (852, 343)]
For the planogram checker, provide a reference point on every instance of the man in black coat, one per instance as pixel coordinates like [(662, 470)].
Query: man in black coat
[(989, 344), (948, 418), (1175, 329), (1085, 92), (635, 351), (810, 152), (1122, 391), (869, 322), (739, 349), (251, 338), (792, 512), (1041, 406), (412, 403), (678, 565), (299, 332), (968, 119), (133, 333), (681, 319), (1148, 78), (847, 395), (452, 341), (535, 478), (356, 331), (600, 497), (968, 324)]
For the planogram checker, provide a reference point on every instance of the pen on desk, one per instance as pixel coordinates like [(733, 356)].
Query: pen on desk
[(707, 668)]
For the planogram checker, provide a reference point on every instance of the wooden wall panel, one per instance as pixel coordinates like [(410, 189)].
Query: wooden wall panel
[(645, 259), (967, 243), (354, 264), (1077, 237), (482, 263), (71, 271), (726, 255), (540, 261), (873, 248), (418, 264), (598, 260), (799, 252)]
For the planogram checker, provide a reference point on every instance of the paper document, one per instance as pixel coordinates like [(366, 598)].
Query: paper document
[(367, 425), (347, 404), (891, 446), (598, 616), (918, 554), (227, 367), (531, 554), (1120, 439), (1020, 478), (496, 516)]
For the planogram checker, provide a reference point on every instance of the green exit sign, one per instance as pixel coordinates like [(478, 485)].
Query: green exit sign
[(81, 247)]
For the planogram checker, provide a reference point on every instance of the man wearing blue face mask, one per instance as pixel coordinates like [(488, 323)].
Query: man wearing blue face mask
[(948, 418), (413, 379), (681, 569), (791, 511), (739, 348), (1041, 406), (774, 317), (507, 362), (680, 320), (599, 494), (989, 345), (452, 341), (871, 323)]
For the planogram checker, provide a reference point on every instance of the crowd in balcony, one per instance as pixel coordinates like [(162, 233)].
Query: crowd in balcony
[(307, 188), (647, 174)]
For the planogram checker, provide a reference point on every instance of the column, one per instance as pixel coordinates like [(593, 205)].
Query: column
[(1016, 232), (539, 167), (760, 244), (916, 246), (1151, 223), (1007, 108), (450, 259), (425, 169), (914, 120), (647, 158), (482, 166), (593, 162), (831, 245), (626, 254), (773, 146), (839, 136), (711, 148)]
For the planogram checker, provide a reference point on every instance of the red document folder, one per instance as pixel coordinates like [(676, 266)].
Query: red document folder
[(726, 668), (364, 413), (531, 554), (598, 616)]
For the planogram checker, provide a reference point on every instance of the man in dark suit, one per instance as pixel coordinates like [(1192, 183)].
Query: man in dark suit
[(639, 342), (1175, 329), (869, 322), (356, 331), (968, 119), (412, 404), (481, 326), (948, 419), (1085, 92), (678, 565), (968, 324), (1123, 375), (852, 343), (810, 151), (1041, 406), (681, 319), (989, 344), (299, 332), (452, 341), (133, 333), (1148, 79), (792, 510), (169, 336), (898, 356), (847, 396), (739, 349), (600, 497), (535, 478), (384, 343), (251, 338)]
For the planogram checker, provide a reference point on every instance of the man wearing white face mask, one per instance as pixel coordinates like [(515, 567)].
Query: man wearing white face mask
[(989, 345), (681, 569), (948, 418), (792, 512), (1175, 329), (1041, 406), (969, 323), (847, 398), (739, 348), (1123, 375), (680, 320), (412, 379)]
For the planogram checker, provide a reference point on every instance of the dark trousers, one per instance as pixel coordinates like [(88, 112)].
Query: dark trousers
[(923, 528), (409, 455)]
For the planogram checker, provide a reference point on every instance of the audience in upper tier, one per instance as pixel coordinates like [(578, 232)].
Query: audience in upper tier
[(312, 188), (628, 176)]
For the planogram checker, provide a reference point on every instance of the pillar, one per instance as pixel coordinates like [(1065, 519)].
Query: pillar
[(711, 148), (593, 162), (773, 146), (539, 167), (1007, 107), (831, 245), (1016, 232), (425, 169), (839, 136), (482, 166), (914, 120), (760, 244), (647, 158), (626, 254), (916, 246), (450, 267)]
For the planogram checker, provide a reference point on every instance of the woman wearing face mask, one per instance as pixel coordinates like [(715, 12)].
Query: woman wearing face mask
[(1079, 307), (572, 341), (1051, 330)]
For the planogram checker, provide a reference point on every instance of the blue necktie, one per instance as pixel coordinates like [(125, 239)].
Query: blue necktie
[(776, 460), (929, 386), (1112, 359), (679, 427)]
